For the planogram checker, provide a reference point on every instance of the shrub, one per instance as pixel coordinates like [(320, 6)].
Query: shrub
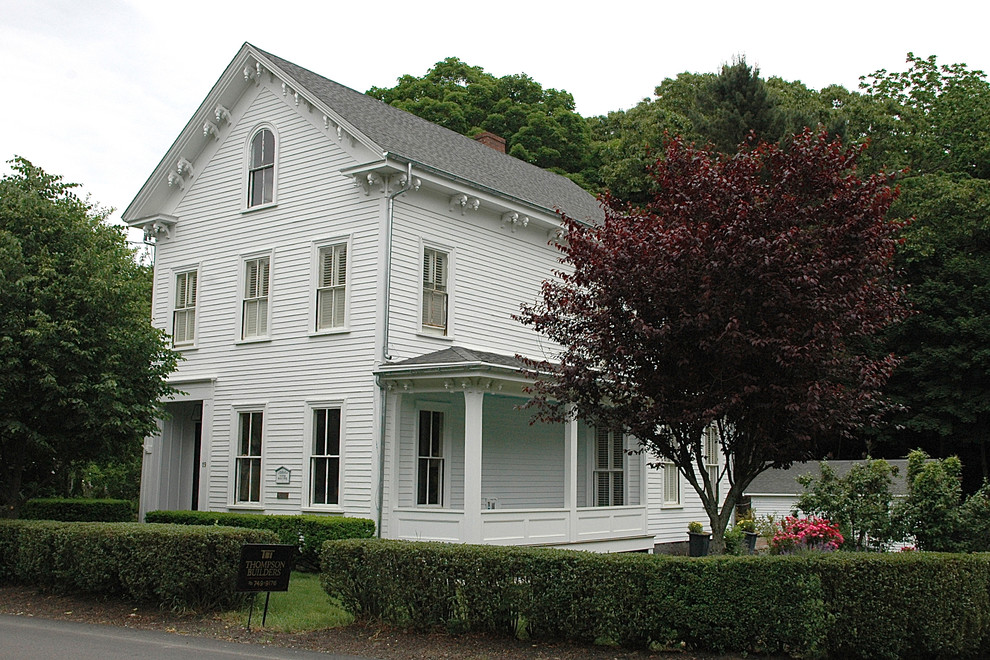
[(805, 534), (906, 605), (77, 510), (931, 512), (837, 604), (974, 519), (307, 532), (859, 503), (629, 599), (173, 566)]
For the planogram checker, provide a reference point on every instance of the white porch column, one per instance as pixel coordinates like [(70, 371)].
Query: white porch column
[(570, 473), (473, 409)]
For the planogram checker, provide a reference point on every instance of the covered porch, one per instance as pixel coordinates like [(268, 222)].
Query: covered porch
[(465, 464)]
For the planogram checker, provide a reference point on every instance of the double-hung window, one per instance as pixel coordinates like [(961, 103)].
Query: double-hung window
[(324, 462), (331, 287), (435, 267), (254, 313), (712, 450), (261, 169), (671, 484), (609, 472), (184, 310), (248, 463), (430, 461)]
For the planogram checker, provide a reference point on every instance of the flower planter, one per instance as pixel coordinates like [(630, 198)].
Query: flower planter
[(750, 540), (698, 544)]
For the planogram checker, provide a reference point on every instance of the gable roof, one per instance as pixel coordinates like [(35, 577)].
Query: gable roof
[(405, 136), (784, 482)]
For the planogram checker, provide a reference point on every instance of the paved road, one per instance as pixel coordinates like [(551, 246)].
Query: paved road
[(43, 639)]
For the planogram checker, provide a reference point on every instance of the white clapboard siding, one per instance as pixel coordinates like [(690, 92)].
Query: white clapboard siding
[(314, 203), (522, 465), (491, 272)]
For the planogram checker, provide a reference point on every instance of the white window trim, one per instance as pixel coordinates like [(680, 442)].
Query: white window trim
[(308, 431), (172, 309), (246, 169), (447, 440), (241, 283), (451, 290), (235, 432), (315, 285), (591, 442)]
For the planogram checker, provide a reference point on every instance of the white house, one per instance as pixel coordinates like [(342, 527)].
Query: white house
[(340, 277)]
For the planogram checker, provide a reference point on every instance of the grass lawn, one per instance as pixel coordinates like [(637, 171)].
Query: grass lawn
[(305, 606)]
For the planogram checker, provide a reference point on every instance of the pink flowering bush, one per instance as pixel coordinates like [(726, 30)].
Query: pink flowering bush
[(802, 534)]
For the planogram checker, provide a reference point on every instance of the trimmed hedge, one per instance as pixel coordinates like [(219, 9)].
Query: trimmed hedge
[(309, 533), (173, 566), (77, 510), (839, 604)]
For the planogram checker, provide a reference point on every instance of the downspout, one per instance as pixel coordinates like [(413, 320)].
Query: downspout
[(386, 356)]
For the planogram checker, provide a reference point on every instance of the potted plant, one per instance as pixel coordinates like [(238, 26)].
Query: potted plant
[(698, 540), (748, 528)]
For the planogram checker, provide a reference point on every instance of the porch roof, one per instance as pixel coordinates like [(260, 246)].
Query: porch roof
[(455, 362)]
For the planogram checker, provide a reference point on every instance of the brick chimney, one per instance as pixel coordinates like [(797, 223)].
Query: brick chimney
[(491, 140)]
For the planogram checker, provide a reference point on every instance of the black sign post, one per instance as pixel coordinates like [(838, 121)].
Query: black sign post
[(264, 567)]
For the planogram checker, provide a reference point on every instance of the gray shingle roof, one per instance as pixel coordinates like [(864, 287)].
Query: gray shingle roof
[(458, 355), (784, 482), (408, 137)]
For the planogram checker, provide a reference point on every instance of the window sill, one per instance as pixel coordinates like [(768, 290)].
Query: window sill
[(185, 347), (259, 207), (246, 506), (671, 506), (334, 509), (253, 340), (333, 331), (429, 335)]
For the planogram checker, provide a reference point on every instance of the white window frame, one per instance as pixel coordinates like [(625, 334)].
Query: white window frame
[(243, 299), (309, 428), (447, 331), (610, 469), (236, 456), (249, 169), (445, 448), (188, 307), (317, 272), (671, 475)]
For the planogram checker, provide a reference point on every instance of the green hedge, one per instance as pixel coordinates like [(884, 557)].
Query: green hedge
[(173, 566), (309, 533), (77, 510), (839, 604)]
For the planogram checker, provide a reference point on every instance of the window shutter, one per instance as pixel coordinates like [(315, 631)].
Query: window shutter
[(601, 461), (263, 278), (180, 291), (617, 452), (440, 275)]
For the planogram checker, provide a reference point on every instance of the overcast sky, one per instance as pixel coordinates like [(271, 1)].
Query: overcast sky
[(97, 90)]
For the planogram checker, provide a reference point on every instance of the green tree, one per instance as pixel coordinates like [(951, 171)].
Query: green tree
[(540, 126), (944, 379), (81, 369), (736, 104), (859, 502), (929, 118)]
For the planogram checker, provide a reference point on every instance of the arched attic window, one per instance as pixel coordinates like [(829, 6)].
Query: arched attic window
[(261, 170)]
